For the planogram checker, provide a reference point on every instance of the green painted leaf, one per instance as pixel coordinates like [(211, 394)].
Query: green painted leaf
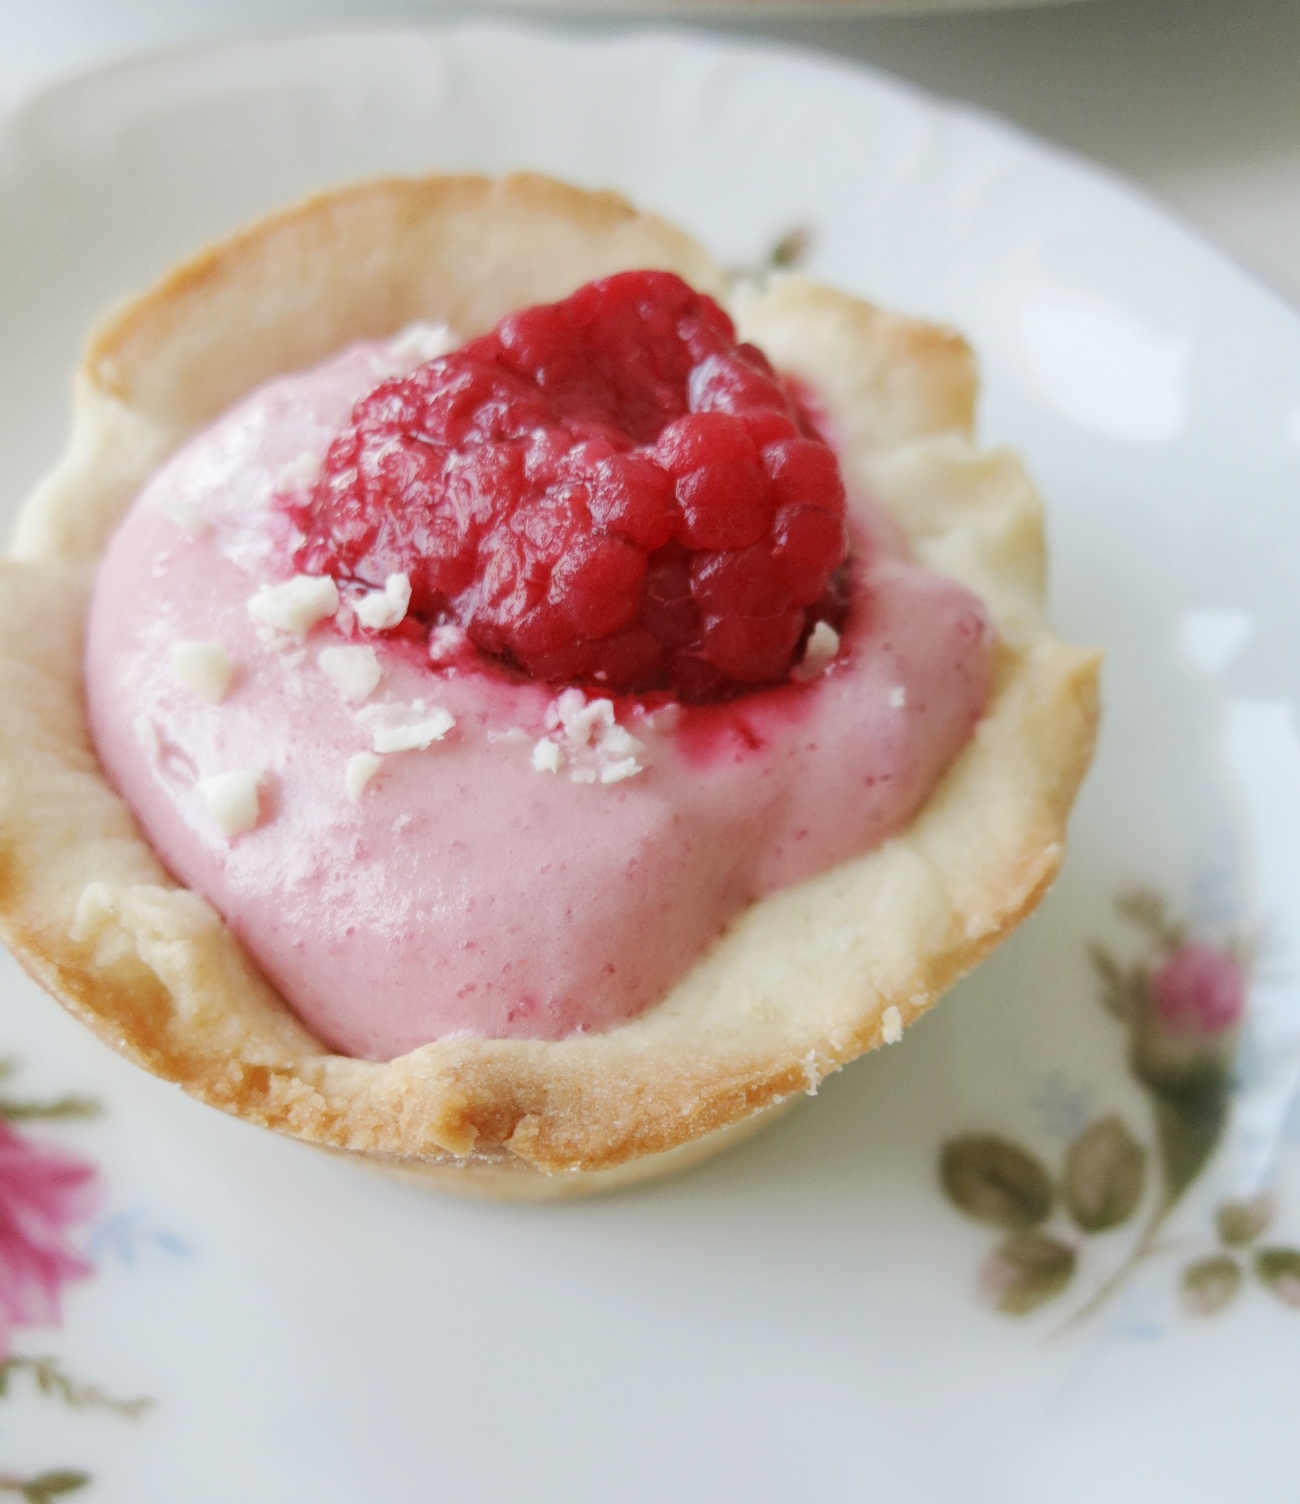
[(1105, 1174), (1279, 1270), (995, 1181), (1026, 1271), (1123, 993), (1189, 1125), (1209, 1284), (1241, 1222), (52, 1485), (793, 247), (1149, 911)]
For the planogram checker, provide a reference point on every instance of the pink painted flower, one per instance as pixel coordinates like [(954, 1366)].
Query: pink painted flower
[(1199, 990), (43, 1191)]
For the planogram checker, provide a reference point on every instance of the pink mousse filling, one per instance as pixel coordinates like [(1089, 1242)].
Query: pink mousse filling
[(464, 889)]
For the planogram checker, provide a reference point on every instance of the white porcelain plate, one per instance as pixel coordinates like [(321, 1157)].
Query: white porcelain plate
[(810, 1316)]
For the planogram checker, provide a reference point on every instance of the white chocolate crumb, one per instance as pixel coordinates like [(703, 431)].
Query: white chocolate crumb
[(383, 609), (514, 736), (594, 744), (564, 707), (547, 757), (353, 671), (295, 605), (204, 668), (891, 1025), (618, 742), (361, 768), (406, 728), (146, 733), (898, 697), (186, 516), (422, 342), (232, 802), (300, 474), (593, 722), (820, 653), (666, 718), (445, 642), (582, 719), (616, 772)]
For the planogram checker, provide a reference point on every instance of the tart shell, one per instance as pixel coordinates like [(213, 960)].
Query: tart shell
[(800, 983)]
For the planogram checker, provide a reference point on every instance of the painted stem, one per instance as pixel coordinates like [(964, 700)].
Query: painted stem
[(1141, 1250), (52, 1380)]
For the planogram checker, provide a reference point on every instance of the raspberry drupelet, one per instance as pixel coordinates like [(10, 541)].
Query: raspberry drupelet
[(609, 490)]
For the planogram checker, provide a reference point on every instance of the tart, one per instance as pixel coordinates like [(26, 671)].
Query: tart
[(803, 980)]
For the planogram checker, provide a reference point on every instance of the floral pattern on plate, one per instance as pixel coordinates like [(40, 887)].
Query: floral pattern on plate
[(46, 1193), (1182, 1004)]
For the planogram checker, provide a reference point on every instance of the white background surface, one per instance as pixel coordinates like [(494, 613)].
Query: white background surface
[(1197, 100)]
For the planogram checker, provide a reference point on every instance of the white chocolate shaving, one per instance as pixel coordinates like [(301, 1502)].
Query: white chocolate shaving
[(295, 605), (353, 671), (618, 743), (406, 728), (547, 757), (616, 772), (583, 719), (299, 474), (445, 642), (594, 744), (232, 801), (204, 668), (361, 768), (382, 609), (667, 718)]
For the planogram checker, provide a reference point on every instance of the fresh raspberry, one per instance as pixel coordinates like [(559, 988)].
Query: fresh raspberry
[(608, 489)]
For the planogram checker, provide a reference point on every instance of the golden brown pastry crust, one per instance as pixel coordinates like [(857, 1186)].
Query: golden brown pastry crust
[(800, 983)]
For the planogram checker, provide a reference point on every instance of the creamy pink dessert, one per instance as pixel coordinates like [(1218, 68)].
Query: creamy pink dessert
[(416, 837)]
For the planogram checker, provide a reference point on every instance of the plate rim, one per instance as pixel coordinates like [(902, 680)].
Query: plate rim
[(578, 33)]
